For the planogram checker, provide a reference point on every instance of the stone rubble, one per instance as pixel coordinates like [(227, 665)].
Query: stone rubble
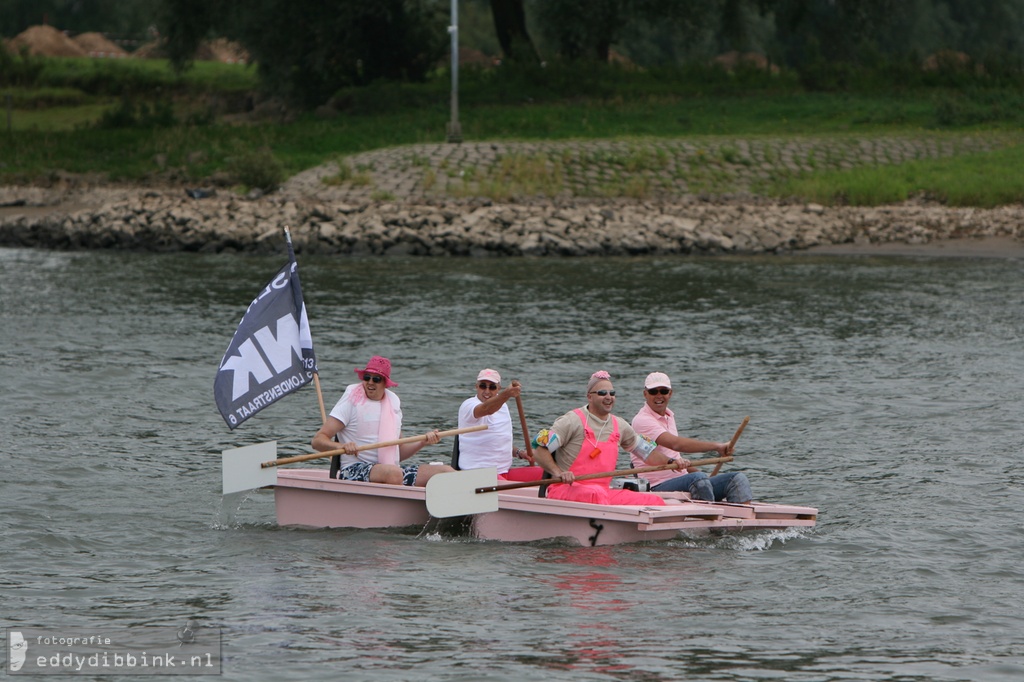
[(168, 220)]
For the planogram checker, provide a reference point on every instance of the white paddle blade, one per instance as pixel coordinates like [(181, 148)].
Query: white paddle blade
[(454, 494), (241, 467)]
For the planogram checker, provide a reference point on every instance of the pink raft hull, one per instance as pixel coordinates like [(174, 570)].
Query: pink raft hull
[(308, 497)]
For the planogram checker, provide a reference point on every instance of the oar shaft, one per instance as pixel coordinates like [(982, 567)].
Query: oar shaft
[(732, 443), (604, 474), (526, 431), (736, 436), (371, 446)]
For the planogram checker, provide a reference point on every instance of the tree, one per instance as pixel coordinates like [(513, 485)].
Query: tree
[(510, 27), (586, 29), (306, 50), (582, 29), (117, 18)]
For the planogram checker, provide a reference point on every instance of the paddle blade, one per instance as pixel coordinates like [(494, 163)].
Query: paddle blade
[(241, 467), (454, 494)]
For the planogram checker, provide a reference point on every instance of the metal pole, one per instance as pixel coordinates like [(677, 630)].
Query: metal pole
[(8, 114), (454, 129)]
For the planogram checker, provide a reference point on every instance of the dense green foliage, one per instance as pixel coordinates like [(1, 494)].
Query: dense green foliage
[(125, 21), (306, 49)]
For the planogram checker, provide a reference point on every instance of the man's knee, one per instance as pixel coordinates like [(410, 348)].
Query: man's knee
[(427, 470), (739, 489), (386, 473), (701, 489)]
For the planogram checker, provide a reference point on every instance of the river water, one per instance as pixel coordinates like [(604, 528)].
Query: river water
[(887, 392)]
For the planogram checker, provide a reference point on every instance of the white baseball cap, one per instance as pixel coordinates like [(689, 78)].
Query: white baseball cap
[(656, 379)]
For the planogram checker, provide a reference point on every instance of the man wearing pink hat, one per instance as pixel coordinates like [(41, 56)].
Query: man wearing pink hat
[(368, 413), (492, 447), (587, 441), (656, 421)]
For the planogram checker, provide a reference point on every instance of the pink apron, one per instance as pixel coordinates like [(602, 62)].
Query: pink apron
[(594, 458)]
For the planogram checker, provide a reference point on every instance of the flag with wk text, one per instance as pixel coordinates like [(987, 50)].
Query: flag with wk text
[(271, 354)]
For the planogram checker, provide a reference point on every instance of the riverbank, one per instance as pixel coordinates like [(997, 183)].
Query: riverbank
[(170, 220), (472, 200)]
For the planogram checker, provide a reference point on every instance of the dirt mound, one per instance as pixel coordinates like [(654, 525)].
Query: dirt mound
[(622, 61), (951, 61), (151, 50), (218, 50), (46, 41), (96, 45), (222, 50), (730, 61), (470, 57)]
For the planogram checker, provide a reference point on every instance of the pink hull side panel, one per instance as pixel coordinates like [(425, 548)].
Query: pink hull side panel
[(525, 518), (524, 526), (310, 498)]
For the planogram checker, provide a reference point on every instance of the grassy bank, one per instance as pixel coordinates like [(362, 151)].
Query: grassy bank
[(983, 180), (134, 121)]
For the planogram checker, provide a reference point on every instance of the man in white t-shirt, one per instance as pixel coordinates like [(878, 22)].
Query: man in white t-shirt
[(493, 446), (369, 413)]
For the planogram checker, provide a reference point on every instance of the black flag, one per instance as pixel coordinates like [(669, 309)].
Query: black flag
[(271, 354)]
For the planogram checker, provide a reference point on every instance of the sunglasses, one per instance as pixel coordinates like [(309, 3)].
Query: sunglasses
[(661, 391), (604, 392), (374, 379), (487, 387)]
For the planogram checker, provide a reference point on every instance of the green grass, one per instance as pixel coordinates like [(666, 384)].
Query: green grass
[(985, 180), (55, 119), (54, 128), (516, 176), (120, 76)]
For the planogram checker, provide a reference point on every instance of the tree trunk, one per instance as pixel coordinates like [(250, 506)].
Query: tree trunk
[(510, 25)]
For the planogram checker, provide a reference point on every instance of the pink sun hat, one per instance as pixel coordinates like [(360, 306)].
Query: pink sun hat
[(378, 365)]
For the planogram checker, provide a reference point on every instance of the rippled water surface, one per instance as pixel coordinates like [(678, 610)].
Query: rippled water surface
[(887, 392)]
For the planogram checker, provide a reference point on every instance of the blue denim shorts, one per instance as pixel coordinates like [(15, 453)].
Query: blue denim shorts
[(360, 471)]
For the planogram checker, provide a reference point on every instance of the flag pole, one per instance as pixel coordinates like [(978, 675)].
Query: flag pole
[(316, 375), (319, 397)]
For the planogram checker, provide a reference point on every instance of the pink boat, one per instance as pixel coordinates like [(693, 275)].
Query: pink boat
[(310, 498)]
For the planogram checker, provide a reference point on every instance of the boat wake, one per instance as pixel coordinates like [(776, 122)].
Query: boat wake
[(743, 542)]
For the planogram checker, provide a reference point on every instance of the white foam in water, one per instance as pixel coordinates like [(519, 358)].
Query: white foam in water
[(744, 542), (230, 506)]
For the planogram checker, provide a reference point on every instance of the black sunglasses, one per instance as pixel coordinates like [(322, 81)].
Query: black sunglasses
[(604, 392), (374, 379), (662, 391), (487, 387)]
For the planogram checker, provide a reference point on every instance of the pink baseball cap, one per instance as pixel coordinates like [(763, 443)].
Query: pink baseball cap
[(378, 365), (489, 375)]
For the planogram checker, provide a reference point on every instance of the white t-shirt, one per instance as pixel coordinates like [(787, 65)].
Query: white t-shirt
[(489, 448), (362, 422)]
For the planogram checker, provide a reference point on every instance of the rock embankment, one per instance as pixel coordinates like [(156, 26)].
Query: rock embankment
[(169, 220)]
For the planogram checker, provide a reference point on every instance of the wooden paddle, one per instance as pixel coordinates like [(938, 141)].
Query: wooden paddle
[(526, 431), (253, 466), (732, 443), (371, 446), (473, 491), (603, 474)]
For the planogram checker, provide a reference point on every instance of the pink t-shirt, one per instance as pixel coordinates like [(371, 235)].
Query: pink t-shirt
[(649, 423)]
